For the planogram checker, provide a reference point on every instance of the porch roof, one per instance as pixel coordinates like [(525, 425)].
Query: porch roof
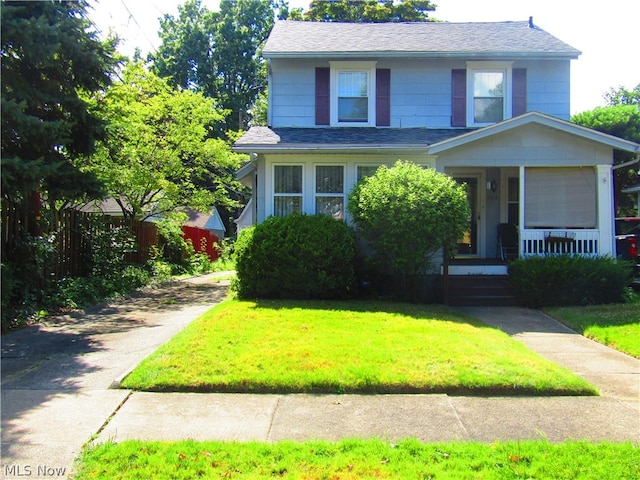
[(274, 139), (539, 119)]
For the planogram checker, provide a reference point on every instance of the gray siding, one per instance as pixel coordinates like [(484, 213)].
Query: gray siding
[(532, 145), (420, 90)]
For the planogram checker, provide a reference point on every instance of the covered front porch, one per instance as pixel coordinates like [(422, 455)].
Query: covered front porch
[(549, 180), (559, 210)]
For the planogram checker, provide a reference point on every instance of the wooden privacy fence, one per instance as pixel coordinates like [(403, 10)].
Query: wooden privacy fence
[(72, 246)]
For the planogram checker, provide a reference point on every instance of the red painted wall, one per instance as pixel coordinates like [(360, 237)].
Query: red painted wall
[(203, 241)]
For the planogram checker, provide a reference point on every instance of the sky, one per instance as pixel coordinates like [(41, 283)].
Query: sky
[(605, 32)]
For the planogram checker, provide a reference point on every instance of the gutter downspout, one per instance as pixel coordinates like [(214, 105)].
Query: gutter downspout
[(629, 163)]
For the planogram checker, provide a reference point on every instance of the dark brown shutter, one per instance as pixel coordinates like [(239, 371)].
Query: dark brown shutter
[(519, 98), (383, 97), (322, 96), (459, 97)]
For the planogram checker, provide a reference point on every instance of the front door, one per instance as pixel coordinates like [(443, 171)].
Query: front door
[(467, 245)]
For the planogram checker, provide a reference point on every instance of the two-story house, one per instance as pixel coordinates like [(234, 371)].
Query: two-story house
[(487, 103)]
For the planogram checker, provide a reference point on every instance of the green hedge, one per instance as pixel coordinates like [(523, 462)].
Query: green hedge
[(296, 257), (557, 280)]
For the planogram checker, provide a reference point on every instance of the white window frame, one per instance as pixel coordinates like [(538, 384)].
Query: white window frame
[(274, 195), (366, 67), (491, 67), (342, 195), (366, 165)]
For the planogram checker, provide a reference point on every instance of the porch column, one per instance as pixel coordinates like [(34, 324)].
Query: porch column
[(604, 193)]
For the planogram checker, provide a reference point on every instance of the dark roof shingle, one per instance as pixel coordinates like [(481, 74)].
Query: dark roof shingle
[(292, 39), (292, 138)]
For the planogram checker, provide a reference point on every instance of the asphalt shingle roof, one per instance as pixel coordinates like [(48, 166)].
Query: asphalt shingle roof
[(293, 39), (289, 137)]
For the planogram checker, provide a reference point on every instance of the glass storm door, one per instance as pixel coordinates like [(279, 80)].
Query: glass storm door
[(467, 245)]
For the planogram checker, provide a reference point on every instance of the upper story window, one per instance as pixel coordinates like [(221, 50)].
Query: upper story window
[(353, 93), (353, 97), (488, 92), (488, 97)]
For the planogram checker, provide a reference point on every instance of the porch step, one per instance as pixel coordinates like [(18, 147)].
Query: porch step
[(481, 290)]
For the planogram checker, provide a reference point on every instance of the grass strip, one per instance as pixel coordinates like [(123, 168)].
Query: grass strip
[(347, 347), (360, 459), (616, 326)]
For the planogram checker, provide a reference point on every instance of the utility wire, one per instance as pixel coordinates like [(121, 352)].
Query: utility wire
[(132, 17)]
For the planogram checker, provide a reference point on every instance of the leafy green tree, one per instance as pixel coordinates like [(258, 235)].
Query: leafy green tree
[(406, 214), (217, 53), (49, 55), (622, 96), (621, 121), (184, 55), (364, 11), (159, 153)]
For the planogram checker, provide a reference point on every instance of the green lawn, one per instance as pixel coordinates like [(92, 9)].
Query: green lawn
[(617, 325), (360, 459), (364, 347)]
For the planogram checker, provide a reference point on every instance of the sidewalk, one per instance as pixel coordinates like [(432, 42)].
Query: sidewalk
[(57, 377), (55, 399)]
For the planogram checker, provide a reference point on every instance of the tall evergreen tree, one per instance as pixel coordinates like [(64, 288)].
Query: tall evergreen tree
[(50, 54)]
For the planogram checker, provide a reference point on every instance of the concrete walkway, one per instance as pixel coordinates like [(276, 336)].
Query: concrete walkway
[(56, 393)]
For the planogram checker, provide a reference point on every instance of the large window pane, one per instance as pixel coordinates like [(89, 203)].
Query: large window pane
[(287, 179), (330, 179), (333, 206), (353, 110), (353, 101), (488, 93), (488, 110), (287, 188), (283, 206), (352, 84), (330, 190), (560, 198), (488, 84), (365, 171)]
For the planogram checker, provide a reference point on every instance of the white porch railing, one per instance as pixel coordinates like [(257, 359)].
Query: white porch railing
[(558, 241)]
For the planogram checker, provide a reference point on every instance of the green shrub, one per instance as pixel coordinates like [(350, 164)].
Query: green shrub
[(26, 282), (558, 280), (297, 257), (407, 213)]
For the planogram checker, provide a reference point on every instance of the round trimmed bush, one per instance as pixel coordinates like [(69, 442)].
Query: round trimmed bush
[(296, 257)]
